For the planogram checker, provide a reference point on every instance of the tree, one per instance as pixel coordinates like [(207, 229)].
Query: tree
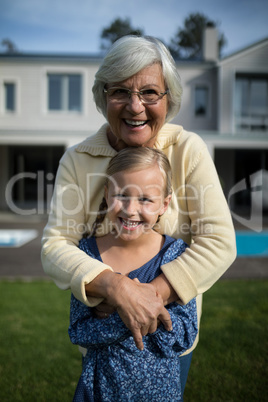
[(187, 43), (116, 30), (9, 46)]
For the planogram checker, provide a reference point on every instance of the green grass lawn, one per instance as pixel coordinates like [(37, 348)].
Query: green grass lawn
[(38, 362)]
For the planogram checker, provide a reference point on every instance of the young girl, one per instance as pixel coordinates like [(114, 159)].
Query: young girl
[(137, 192)]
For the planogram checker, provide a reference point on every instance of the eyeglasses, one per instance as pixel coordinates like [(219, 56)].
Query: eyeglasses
[(146, 96)]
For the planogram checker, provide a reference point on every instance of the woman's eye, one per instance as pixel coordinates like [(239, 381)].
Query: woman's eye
[(149, 92), (120, 91)]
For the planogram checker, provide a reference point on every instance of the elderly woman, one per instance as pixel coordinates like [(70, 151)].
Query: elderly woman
[(137, 88)]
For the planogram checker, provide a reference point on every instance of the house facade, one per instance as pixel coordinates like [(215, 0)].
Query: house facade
[(46, 105)]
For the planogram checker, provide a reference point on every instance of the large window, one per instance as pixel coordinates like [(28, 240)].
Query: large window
[(65, 92), (9, 89), (201, 101), (251, 103), (33, 169)]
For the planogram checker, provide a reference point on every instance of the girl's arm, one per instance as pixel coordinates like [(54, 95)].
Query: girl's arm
[(185, 329), (86, 330), (138, 304)]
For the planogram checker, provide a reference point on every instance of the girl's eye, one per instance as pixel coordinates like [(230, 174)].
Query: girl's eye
[(145, 200), (120, 196)]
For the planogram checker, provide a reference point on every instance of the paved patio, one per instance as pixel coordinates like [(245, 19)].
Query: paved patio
[(24, 262)]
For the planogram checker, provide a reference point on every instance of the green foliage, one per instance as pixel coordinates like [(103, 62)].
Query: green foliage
[(187, 43), (9, 46), (39, 363), (118, 28)]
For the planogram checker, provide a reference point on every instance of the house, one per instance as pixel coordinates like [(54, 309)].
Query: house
[(46, 105)]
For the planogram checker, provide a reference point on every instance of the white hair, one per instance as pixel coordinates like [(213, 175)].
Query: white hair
[(128, 56)]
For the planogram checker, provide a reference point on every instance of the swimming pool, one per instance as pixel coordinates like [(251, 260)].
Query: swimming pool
[(16, 237), (251, 244)]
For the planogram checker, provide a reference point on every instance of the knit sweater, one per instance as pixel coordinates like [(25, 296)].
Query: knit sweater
[(198, 213)]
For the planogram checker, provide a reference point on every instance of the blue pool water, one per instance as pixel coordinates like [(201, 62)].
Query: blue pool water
[(251, 244), (16, 237)]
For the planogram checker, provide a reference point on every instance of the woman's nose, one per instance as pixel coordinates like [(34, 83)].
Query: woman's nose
[(134, 104)]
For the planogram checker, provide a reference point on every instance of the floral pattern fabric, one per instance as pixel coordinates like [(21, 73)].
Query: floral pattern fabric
[(114, 369)]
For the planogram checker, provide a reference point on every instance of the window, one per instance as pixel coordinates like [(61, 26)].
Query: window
[(201, 101), (9, 89), (38, 166), (65, 92), (251, 103)]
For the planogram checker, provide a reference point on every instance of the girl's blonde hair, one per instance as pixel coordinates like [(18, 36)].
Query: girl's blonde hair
[(141, 158), (135, 159)]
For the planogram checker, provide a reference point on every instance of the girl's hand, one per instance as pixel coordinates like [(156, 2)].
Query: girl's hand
[(103, 310)]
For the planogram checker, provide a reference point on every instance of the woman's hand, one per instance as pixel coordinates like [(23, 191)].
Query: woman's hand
[(140, 307), (138, 304), (104, 310)]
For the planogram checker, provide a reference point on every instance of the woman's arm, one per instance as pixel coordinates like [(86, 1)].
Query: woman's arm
[(86, 330), (202, 213), (62, 260)]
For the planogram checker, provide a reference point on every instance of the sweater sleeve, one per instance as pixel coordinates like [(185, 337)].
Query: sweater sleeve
[(213, 245), (62, 260)]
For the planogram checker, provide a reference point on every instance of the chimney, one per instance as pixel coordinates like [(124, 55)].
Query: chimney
[(210, 44)]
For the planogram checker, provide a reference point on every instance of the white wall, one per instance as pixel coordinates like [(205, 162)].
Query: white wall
[(32, 113), (252, 60), (193, 75)]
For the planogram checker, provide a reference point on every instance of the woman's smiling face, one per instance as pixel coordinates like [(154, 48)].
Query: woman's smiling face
[(134, 123)]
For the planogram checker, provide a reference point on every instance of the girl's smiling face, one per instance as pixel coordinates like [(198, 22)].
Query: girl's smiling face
[(135, 199), (134, 123)]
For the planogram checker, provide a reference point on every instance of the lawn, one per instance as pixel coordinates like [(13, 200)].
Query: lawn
[(38, 362)]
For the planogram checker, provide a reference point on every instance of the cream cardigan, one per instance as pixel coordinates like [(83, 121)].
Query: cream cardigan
[(198, 213)]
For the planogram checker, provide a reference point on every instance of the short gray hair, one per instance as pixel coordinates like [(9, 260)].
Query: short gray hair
[(128, 56)]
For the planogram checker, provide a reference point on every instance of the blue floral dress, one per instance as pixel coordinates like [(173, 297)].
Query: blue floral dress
[(114, 369)]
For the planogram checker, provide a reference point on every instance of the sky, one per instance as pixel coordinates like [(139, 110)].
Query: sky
[(74, 26)]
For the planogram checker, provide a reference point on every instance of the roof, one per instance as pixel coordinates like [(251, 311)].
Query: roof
[(246, 49), (50, 57), (86, 57)]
